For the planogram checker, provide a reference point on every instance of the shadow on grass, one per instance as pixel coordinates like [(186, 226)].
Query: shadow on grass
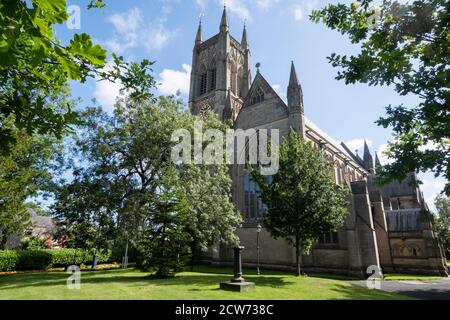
[(136, 278), (354, 292)]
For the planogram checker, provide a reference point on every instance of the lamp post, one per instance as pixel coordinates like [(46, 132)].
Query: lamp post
[(258, 231)]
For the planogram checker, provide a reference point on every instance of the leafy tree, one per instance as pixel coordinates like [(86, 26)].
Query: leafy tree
[(38, 209), (442, 204), (36, 67), (164, 242), (126, 173), (406, 45), (303, 200), (84, 218), (25, 172), (34, 243), (212, 216)]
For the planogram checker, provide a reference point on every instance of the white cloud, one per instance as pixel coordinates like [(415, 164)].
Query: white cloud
[(266, 4), (311, 5), (298, 12), (431, 187), (201, 3), (158, 38), (132, 31), (106, 92), (126, 22), (172, 81), (357, 144)]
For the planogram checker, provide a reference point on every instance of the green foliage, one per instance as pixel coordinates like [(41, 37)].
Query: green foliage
[(442, 204), (43, 259), (33, 260), (303, 200), (38, 209), (133, 192), (8, 260), (35, 69), (25, 260), (68, 257), (33, 243), (25, 172), (406, 45)]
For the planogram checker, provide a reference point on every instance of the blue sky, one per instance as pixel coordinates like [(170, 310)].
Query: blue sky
[(278, 30)]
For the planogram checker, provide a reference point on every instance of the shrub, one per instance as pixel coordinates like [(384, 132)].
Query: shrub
[(68, 257), (33, 243), (11, 260), (33, 260), (104, 255), (8, 260)]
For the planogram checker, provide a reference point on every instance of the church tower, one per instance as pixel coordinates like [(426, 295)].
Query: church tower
[(295, 103), (220, 76)]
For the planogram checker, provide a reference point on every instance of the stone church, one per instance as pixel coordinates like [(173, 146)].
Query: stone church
[(390, 227)]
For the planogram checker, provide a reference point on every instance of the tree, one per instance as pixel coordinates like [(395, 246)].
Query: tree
[(303, 200), (164, 242), (212, 216), (126, 173), (35, 69), (405, 45), (25, 172), (84, 217), (442, 204)]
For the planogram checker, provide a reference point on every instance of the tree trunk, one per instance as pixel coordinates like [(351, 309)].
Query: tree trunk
[(3, 239), (193, 245), (297, 256)]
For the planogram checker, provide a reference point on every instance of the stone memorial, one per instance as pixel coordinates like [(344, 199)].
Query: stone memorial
[(237, 283)]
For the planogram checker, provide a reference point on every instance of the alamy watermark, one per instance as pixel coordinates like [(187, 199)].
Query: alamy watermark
[(74, 20), (374, 19), (374, 280), (74, 280), (213, 146)]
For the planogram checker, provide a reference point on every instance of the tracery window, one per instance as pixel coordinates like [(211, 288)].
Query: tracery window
[(258, 97)]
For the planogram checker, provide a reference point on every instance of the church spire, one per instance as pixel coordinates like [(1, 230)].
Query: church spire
[(377, 161), (295, 103), (224, 21), (199, 37), (293, 80), (367, 159), (244, 42), (294, 92)]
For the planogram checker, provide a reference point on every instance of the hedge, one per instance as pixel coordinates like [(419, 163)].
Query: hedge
[(25, 260), (8, 260), (68, 257), (43, 259)]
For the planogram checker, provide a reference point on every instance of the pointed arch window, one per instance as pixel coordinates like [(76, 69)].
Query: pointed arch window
[(212, 80), (255, 208), (203, 83), (258, 97)]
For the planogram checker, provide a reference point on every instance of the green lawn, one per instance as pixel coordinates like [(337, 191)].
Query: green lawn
[(202, 284), (400, 276)]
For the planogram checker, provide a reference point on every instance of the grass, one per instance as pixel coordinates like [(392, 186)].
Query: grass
[(203, 284), (410, 277)]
